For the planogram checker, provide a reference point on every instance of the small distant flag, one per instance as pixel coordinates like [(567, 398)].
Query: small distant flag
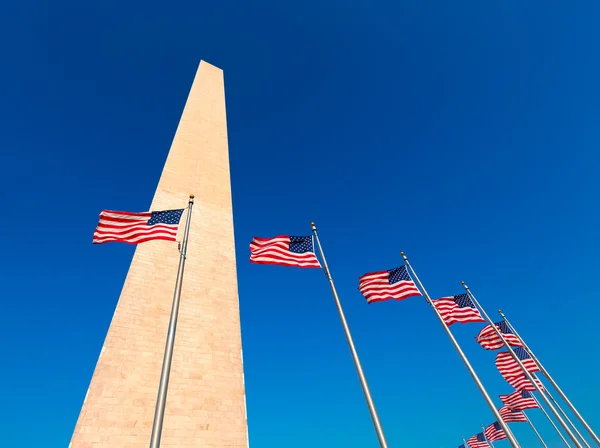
[(509, 367), (385, 285), (494, 432), (510, 416), (458, 309), (136, 228), (489, 339), (297, 251), (521, 383), (478, 441), (519, 401)]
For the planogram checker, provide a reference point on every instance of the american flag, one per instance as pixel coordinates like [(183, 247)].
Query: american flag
[(510, 416), (384, 285), (519, 401), (135, 228), (489, 340), (521, 383), (284, 250), (509, 367), (458, 309), (478, 441), (494, 432)]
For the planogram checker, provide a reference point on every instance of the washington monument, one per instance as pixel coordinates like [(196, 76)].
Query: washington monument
[(206, 400)]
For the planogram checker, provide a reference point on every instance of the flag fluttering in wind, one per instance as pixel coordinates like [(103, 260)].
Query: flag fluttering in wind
[(519, 401), (511, 416), (507, 365), (489, 339), (136, 228), (495, 432), (478, 441), (521, 383), (385, 285), (297, 251), (458, 309)]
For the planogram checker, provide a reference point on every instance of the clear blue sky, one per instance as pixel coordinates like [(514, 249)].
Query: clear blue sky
[(464, 133)]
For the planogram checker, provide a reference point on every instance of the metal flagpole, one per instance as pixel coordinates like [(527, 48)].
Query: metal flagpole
[(509, 435), (466, 444), (547, 375), (551, 422), (535, 430), (567, 419), (486, 437), (528, 374), (359, 370), (161, 399)]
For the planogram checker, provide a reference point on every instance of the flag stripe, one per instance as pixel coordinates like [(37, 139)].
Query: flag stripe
[(511, 416), (508, 366), (452, 313), (136, 228), (385, 285), (519, 401), (489, 339), (276, 251)]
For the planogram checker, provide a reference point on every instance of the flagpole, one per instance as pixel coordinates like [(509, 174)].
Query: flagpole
[(528, 374), (486, 437), (535, 430), (567, 419), (466, 444), (359, 369), (509, 435), (161, 399), (547, 375), (551, 422)]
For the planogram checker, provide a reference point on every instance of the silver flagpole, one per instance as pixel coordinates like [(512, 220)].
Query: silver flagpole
[(159, 412), (547, 375), (509, 435), (527, 373), (551, 422), (466, 444), (535, 430), (567, 419), (359, 370), (486, 437)]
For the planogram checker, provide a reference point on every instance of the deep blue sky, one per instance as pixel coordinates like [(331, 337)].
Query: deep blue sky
[(464, 133)]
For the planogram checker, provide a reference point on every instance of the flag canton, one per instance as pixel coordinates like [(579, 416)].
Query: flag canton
[(497, 426), (463, 301), (504, 328), (526, 394), (165, 217), (301, 244), (521, 353), (480, 437), (398, 275)]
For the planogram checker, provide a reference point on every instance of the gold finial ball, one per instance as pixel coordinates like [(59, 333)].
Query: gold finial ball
[(312, 223), (499, 311), (462, 283), (402, 253), (191, 196)]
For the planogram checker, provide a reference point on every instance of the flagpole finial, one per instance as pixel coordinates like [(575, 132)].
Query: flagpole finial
[(312, 223), (402, 253), (192, 196), (462, 283)]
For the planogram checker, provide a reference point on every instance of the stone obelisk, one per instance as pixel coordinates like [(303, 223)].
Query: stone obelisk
[(206, 400)]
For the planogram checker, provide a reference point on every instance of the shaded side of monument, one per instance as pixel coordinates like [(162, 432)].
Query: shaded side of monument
[(206, 401)]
